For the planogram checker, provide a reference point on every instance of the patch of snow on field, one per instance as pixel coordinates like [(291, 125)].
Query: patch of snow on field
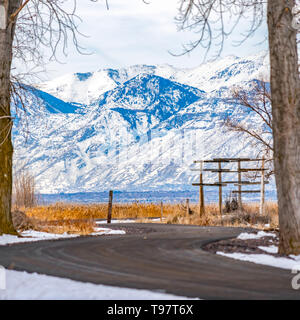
[(265, 259), (32, 235), (260, 234), (23, 285)]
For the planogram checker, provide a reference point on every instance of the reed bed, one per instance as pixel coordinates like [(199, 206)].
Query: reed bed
[(63, 211), (172, 213), (22, 222), (83, 227), (247, 217)]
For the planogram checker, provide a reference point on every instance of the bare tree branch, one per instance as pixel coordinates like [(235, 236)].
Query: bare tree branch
[(214, 20), (256, 99), (15, 14)]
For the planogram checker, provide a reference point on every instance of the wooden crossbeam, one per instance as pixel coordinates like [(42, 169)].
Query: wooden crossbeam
[(245, 183), (231, 159), (233, 182), (229, 171), (235, 159), (246, 191), (217, 170), (219, 160), (252, 169), (212, 170), (215, 160), (208, 161), (225, 183), (210, 184)]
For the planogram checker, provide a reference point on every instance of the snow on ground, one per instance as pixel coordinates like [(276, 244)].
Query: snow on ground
[(101, 231), (291, 262), (129, 220), (31, 235), (116, 221), (269, 249), (33, 286), (260, 234), (266, 259)]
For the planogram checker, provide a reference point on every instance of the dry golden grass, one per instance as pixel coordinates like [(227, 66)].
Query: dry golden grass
[(23, 222), (62, 211), (66, 215), (78, 218), (247, 217), (67, 226)]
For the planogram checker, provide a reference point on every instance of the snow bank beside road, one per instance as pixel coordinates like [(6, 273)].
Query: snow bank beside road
[(23, 285), (31, 235), (266, 259), (260, 234), (290, 262)]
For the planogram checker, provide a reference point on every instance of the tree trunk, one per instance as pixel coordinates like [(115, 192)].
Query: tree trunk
[(285, 89), (7, 7)]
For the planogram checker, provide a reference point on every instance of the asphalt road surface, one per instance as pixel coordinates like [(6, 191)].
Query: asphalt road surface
[(166, 258)]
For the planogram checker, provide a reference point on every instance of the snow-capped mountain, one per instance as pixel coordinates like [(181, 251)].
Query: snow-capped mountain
[(151, 95), (136, 128), (84, 88)]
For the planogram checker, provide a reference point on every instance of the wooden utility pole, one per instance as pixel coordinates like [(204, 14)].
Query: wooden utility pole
[(220, 187), (239, 185), (109, 206), (262, 188), (187, 207), (201, 193), (161, 211)]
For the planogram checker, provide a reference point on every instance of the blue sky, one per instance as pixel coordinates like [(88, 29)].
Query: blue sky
[(132, 32)]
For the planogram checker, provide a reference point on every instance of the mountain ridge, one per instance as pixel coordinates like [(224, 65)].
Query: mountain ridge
[(141, 133)]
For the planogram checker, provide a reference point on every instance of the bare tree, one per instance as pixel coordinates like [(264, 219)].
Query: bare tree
[(26, 26), (209, 19), (257, 100), (214, 21), (7, 31), (24, 191)]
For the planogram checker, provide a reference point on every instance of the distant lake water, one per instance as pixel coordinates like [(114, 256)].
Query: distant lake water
[(145, 197)]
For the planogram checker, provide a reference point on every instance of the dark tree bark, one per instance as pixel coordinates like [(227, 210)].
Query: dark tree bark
[(207, 18), (285, 89), (25, 27), (7, 27)]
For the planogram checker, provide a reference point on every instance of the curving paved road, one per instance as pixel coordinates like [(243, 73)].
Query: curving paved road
[(160, 257)]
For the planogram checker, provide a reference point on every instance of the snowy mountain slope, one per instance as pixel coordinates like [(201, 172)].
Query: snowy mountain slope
[(40, 103), (143, 133), (85, 88), (226, 72), (51, 103), (151, 94), (82, 88)]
